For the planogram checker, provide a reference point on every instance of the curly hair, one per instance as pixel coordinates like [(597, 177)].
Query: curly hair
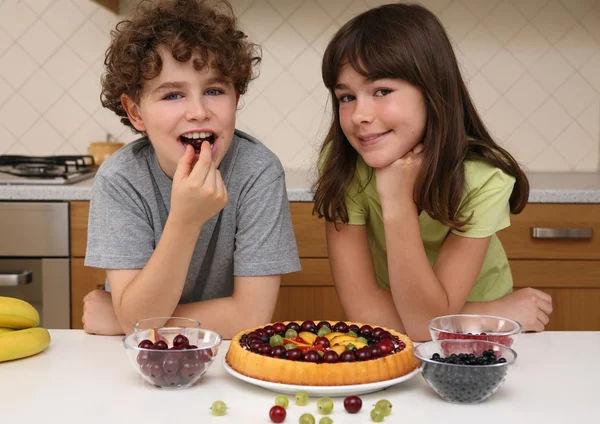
[(186, 28)]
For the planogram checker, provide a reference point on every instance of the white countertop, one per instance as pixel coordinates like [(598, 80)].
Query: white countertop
[(545, 188), (88, 379)]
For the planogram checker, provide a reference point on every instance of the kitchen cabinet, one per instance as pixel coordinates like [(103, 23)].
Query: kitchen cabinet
[(112, 5), (567, 269)]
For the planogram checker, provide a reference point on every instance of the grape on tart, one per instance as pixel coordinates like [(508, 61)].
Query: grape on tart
[(328, 353)]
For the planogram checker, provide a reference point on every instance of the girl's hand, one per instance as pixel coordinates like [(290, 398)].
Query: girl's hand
[(396, 181), (199, 192), (530, 307)]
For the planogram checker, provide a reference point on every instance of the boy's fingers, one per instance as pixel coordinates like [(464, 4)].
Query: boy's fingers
[(202, 167), (184, 166)]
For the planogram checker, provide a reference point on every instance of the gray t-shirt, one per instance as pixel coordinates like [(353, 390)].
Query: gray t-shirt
[(251, 236)]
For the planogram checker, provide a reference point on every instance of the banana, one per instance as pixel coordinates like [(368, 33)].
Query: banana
[(6, 330), (17, 314), (21, 343)]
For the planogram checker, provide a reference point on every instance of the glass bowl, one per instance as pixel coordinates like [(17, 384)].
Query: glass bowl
[(172, 357), (475, 327), (458, 383)]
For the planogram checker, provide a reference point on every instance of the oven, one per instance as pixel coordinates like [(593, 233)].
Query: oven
[(34, 258)]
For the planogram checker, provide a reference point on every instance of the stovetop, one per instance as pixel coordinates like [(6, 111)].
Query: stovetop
[(47, 170)]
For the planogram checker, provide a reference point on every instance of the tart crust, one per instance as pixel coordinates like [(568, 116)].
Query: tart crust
[(285, 371)]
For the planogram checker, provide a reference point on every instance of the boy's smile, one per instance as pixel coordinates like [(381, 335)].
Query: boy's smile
[(382, 119), (184, 106)]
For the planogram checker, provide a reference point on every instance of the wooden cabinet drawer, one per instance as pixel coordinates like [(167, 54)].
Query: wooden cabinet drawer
[(302, 303), (78, 227), (519, 243), (83, 281), (309, 230), (315, 272)]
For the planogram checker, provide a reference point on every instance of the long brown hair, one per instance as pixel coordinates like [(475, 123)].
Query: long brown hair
[(408, 42)]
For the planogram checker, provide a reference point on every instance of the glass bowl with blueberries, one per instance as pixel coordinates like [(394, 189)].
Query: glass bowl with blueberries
[(464, 371), (475, 327), (171, 352)]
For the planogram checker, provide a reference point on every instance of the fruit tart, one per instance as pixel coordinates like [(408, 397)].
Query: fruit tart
[(328, 353)]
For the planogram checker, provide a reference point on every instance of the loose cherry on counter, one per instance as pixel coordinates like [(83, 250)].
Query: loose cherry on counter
[(277, 414)]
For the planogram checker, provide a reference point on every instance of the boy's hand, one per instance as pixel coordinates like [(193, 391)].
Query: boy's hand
[(199, 192), (397, 180), (99, 315)]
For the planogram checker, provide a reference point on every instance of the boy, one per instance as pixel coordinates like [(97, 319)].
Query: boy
[(193, 219)]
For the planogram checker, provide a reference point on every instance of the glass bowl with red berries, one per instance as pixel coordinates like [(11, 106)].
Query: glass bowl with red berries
[(464, 371), (172, 356), (475, 327)]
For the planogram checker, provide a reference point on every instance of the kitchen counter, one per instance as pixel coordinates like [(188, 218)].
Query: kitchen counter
[(85, 378), (545, 188)]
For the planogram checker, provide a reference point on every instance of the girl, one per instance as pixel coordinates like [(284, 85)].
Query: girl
[(412, 185)]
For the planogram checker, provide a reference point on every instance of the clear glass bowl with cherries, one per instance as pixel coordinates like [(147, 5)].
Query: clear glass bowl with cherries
[(171, 352)]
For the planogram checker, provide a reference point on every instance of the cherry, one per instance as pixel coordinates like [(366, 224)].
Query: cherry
[(312, 356), (279, 327), (308, 326), (171, 379), (363, 354), (278, 351), (295, 354), (323, 324), (385, 335), (277, 414), (376, 352), (323, 341), (330, 357), (255, 345), (386, 346), (143, 357), (253, 335), (341, 326), (156, 369), (146, 344), (189, 369), (269, 330), (366, 331), (347, 356), (181, 340), (353, 404), (376, 333), (265, 349), (161, 345), (262, 332), (171, 364), (145, 368), (354, 327), (293, 326)]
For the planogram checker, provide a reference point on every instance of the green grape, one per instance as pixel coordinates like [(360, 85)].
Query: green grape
[(385, 406), (362, 340), (306, 419), (377, 415), (350, 346), (291, 333), (282, 401), (276, 340), (325, 420), (320, 352), (325, 406), (323, 330), (218, 408), (290, 346), (301, 398), (351, 333)]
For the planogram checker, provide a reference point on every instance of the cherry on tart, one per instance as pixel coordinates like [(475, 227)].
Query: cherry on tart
[(321, 353)]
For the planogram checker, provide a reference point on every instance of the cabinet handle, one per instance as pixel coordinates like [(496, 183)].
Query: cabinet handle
[(562, 233), (15, 278)]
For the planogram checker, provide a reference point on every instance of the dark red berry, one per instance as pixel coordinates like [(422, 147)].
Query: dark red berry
[(270, 330), (323, 341), (161, 345), (323, 324), (146, 344), (341, 327), (308, 326), (295, 354), (363, 354), (277, 414), (278, 351), (347, 356), (279, 327), (181, 340), (386, 346), (352, 404), (330, 357), (366, 331), (293, 326), (312, 356)]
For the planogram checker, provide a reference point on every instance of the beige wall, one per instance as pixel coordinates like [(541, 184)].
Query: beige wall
[(533, 67)]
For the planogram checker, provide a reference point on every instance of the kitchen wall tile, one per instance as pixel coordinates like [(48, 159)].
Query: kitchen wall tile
[(504, 21), (64, 75), (42, 139), (41, 91), (40, 42), (18, 115), (15, 18), (577, 46), (553, 21), (309, 20), (531, 67), (66, 115), (64, 17), (16, 66)]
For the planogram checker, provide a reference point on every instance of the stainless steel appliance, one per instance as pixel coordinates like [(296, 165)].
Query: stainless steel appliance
[(53, 170), (34, 258)]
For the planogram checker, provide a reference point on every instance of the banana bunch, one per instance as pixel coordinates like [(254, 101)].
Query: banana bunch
[(19, 336)]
